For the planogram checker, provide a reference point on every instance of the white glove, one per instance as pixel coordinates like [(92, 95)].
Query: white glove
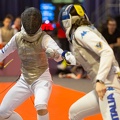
[(70, 58)]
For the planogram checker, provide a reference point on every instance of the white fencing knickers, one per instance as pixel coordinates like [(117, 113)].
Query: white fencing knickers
[(41, 89), (90, 104)]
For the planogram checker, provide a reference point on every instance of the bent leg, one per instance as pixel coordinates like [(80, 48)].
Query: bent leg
[(42, 113), (14, 116), (15, 96), (85, 106), (42, 91), (110, 106)]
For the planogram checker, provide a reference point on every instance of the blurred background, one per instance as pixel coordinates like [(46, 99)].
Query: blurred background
[(104, 14), (97, 10)]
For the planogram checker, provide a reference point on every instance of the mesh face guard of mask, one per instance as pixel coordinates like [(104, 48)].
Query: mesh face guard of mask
[(31, 20)]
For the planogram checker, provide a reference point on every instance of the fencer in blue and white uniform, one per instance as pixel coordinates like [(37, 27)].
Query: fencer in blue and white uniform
[(97, 58)]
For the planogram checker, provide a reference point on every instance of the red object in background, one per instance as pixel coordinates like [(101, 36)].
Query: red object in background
[(61, 33), (1, 46), (47, 27)]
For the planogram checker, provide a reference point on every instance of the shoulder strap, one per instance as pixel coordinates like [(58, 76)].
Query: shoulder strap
[(18, 36)]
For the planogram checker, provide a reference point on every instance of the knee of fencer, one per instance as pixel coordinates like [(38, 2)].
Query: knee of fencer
[(4, 113), (71, 113), (42, 112), (41, 109)]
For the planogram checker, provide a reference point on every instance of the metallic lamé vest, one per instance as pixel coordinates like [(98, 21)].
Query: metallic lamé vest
[(33, 58), (88, 59)]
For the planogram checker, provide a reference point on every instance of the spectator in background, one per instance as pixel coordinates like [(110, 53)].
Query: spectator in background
[(75, 72), (17, 24), (112, 35), (6, 33)]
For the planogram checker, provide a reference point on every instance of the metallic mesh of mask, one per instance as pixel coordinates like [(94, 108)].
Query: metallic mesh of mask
[(31, 20)]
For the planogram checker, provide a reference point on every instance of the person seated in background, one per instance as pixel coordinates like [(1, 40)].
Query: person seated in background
[(70, 71), (112, 35), (17, 24), (6, 33)]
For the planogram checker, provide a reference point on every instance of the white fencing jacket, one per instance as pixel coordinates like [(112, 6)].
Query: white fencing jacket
[(93, 53)]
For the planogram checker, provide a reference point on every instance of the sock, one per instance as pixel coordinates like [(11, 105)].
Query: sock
[(43, 117), (14, 116)]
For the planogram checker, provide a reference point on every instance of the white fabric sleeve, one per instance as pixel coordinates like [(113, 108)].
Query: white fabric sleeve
[(48, 42), (91, 41), (9, 48)]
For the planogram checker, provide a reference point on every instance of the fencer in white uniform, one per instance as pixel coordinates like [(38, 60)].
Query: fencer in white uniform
[(33, 46), (97, 58)]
